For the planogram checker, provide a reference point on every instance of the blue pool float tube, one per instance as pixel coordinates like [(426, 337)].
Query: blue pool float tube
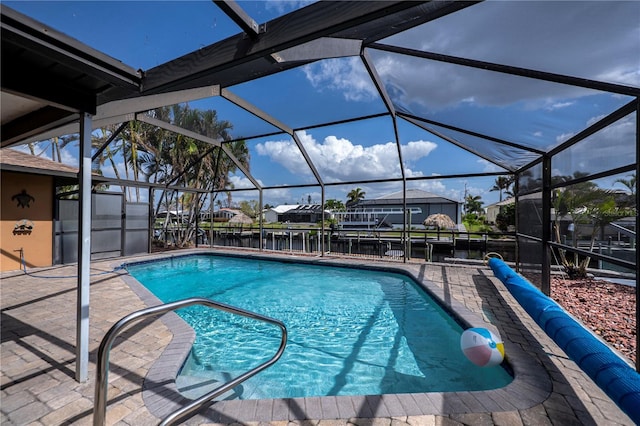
[(614, 376)]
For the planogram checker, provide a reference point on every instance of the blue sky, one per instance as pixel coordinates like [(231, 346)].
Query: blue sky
[(595, 40)]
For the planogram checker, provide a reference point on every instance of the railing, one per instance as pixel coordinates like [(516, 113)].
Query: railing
[(371, 244), (102, 368)]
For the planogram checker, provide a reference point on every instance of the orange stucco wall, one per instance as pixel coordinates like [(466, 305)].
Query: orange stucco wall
[(38, 245)]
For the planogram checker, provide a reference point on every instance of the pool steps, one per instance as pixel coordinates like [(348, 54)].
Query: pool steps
[(102, 366)]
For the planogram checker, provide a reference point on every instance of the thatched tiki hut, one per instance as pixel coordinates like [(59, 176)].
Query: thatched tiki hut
[(440, 221), (241, 219)]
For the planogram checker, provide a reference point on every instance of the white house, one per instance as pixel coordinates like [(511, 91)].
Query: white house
[(494, 209), (271, 215)]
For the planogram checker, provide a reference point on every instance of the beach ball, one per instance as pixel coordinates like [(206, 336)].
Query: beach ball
[(482, 347)]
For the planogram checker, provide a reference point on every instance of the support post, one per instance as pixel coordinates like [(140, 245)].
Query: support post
[(84, 250), (516, 189), (322, 228), (636, 242), (404, 218), (545, 284), (260, 221), (197, 219), (151, 221)]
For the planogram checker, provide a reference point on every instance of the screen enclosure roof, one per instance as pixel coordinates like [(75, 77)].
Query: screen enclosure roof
[(502, 82)]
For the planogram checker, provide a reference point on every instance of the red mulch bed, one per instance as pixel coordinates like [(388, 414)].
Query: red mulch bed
[(606, 308)]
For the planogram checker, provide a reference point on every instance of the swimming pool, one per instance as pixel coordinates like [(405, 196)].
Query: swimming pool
[(351, 331)]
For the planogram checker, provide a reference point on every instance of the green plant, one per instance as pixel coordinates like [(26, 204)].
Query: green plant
[(506, 217), (354, 196), (473, 204), (585, 204)]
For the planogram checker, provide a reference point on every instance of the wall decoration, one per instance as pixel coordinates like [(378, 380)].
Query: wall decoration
[(23, 199), (23, 227)]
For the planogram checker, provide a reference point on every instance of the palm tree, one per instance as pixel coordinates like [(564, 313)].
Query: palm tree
[(473, 204), (629, 183), (586, 204), (354, 196), (202, 166), (631, 186), (57, 144), (502, 184), (165, 157), (334, 205)]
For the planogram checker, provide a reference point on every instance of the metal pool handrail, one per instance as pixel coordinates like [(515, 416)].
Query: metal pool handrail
[(102, 367)]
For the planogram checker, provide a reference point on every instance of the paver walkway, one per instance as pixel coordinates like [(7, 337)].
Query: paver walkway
[(38, 362)]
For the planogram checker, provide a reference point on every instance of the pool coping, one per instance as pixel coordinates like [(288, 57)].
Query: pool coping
[(531, 384)]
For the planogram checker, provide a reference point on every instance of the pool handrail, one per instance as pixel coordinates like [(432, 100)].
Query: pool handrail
[(102, 367)]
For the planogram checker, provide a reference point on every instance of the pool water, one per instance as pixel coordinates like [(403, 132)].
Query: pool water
[(350, 331)]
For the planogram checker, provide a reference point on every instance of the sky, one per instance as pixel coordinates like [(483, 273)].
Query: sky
[(595, 40)]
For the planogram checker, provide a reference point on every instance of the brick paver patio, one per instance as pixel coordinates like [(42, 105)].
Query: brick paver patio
[(38, 361)]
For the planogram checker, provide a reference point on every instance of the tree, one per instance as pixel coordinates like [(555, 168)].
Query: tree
[(586, 204), (172, 159), (630, 183), (251, 208), (107, 153), (334, 205), (502, 184), (354, 196), (473, 204), (506, 217)]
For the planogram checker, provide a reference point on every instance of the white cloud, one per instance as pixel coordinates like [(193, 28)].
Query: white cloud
[(436, 186), (347, 75), (555, 37), (279, 196), (437, 86), (564, 137), (629, 76), (559, 105), (43, 150), (489, 167), (69, 159), (609, 148), (617, 134), (594, 120), (38, 148), (240, 181), (284, 152), (107, 169), (338, 159)]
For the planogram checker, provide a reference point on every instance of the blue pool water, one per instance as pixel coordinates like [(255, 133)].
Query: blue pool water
[(351, 331)]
